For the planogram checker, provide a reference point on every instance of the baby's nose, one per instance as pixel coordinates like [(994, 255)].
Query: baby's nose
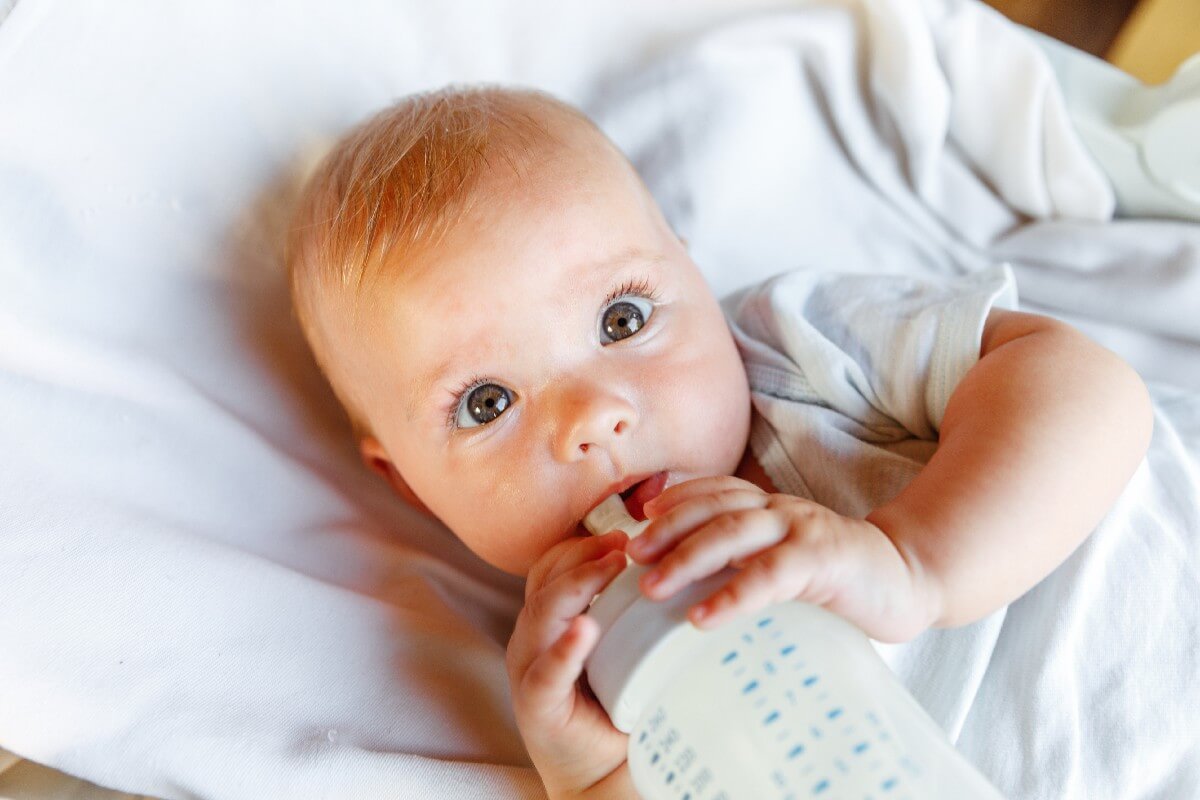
[(591, 420)]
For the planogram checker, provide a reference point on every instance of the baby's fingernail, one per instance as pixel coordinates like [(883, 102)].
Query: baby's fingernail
[(651, 578)]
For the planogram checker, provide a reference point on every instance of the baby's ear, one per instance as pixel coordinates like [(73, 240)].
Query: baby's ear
[(376, 459)]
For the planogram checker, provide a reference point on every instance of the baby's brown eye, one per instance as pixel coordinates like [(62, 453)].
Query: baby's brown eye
[(623, 319), (482, 405)]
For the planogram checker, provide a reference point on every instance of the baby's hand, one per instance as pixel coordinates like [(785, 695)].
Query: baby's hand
[(785, 547), (572, 743)]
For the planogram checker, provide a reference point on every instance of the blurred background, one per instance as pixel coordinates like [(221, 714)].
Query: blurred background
[(1147, 38)]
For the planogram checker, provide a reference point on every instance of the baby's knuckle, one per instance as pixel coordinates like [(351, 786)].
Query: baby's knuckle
[(739, 590), (539, 606), (534, 681), (768, 567), (731, 522)]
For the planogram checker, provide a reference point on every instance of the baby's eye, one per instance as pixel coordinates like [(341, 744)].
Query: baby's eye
[(624, 318), (481, 405)]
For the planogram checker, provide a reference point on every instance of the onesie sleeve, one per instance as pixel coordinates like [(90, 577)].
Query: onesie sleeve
[(885, 350)]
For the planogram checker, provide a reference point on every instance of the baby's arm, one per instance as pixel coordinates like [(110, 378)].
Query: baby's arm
[(1037, 442)]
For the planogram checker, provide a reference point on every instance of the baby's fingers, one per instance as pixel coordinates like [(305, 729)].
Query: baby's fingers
[(548, 613), (568, 555), (680, 492), (674, 525), (770, 578), (547, 693), (728, 538)]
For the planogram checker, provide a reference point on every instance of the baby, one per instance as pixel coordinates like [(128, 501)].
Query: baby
[(517, 333)]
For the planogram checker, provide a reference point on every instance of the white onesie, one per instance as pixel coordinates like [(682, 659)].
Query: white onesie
[(851, 375)]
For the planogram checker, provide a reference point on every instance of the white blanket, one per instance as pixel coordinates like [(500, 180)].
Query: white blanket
[(202, 592)]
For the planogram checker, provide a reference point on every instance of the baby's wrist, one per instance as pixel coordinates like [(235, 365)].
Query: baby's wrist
[(925, 582)]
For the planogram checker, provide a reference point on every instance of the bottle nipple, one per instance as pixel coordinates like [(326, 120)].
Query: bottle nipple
[(611, 515)]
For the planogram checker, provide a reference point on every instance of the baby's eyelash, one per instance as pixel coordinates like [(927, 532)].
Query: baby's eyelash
[(642, 287), (468, 386)]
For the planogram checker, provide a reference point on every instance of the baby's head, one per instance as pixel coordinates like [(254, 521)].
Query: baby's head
[(512, 326)]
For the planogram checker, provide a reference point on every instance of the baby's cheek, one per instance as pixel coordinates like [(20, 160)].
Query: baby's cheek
[(507, 515), (710, 398)]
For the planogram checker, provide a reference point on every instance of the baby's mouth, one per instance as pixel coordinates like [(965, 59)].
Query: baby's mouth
[(643, 492)]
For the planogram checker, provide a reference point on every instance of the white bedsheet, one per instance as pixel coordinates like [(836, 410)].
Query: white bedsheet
[(202, 593)]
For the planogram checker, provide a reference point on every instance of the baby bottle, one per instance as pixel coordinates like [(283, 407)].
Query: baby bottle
[(790, 702)]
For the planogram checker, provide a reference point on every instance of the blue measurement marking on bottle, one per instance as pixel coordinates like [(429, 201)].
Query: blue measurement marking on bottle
[(764, 622), (821, 786), (769, 667), (861, 747), (834, 713), (795, 751), (730, 656), (774, 715), (810, 680), (888, 785), (750, 687), (787, 650)]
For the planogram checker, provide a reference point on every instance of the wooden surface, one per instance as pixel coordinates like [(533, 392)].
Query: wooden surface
[(1090, 25), (1149, 39), (1159, 36)]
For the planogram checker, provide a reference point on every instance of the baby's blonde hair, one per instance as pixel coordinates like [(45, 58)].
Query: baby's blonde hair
[(395, 184)]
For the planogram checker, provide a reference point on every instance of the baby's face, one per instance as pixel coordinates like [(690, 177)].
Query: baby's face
[(558, 346)]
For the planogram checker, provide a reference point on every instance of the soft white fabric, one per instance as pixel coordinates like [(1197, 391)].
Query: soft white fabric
[(203, 594)]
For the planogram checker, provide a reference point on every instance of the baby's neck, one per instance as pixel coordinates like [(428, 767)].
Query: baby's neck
[(751, 470)]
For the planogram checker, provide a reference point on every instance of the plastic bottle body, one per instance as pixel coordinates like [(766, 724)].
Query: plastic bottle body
[(791, 702)]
